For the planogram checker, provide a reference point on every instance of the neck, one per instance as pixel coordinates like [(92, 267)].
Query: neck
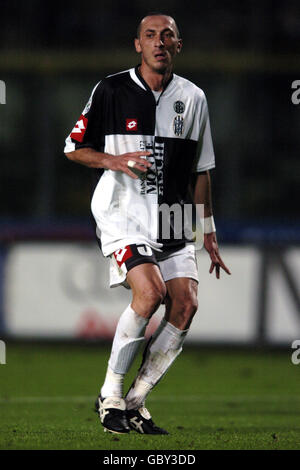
[(155, 80)]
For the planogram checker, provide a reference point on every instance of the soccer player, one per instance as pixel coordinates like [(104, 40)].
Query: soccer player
[(146, 131)]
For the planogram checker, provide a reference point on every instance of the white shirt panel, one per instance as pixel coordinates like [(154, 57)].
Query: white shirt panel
[(124, 214), (196, 125)]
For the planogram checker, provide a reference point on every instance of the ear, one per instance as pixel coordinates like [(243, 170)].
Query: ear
[(179, 45), (137, 45)]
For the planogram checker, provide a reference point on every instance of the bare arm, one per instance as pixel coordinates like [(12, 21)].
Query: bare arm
[(93, 159), (202, 195)]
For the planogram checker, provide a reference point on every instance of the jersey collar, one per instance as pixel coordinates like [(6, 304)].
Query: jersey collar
[(140, 81)]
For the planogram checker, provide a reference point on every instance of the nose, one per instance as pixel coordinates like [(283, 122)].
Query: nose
[(159, 41)]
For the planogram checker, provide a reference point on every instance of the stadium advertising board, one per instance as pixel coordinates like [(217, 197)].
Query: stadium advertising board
[(60, 290)]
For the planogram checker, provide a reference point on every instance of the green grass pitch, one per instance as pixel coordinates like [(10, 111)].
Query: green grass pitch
[(210, 399)]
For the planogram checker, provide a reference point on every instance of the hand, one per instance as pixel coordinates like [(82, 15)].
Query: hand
[(120, 162), (211, 245)]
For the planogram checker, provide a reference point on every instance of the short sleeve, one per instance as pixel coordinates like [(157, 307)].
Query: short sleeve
[(87, 131), (205, 158)]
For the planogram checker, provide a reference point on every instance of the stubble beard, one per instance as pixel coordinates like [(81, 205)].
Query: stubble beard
[(161, 69)]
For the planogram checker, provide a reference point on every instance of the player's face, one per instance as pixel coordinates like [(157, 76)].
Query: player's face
[(158, 42)]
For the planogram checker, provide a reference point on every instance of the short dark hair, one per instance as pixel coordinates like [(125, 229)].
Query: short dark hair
[(155, 13)]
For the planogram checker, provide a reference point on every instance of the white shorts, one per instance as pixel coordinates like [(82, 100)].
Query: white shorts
[(172, 264)]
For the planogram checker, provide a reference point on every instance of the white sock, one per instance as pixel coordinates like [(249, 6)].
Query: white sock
[(161, 353), (128, 337), (113, 384)]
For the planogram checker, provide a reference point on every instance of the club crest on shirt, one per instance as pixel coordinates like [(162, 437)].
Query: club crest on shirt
[(178, 125), (179, 107)]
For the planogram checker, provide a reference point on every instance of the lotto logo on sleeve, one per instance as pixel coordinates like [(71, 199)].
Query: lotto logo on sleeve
[(79, 129), (131, 124), (122, 255)]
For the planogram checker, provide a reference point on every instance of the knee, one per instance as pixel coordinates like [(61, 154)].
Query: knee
[(149, 298), (185, 306), (154, 294)]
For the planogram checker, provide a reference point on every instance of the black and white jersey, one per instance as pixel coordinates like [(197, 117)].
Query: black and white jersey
[(124, 115)]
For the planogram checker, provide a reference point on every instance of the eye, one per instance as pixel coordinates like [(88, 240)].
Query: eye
[(168, 35)]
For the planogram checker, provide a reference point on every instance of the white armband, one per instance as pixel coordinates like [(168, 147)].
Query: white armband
[(208, 224)]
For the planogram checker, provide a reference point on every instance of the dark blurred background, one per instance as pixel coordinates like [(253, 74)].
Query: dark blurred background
[(245, 55)]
